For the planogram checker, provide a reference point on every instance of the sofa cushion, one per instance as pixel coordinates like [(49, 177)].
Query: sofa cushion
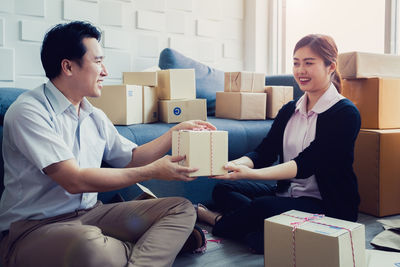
[(208, 80), (7, 97)]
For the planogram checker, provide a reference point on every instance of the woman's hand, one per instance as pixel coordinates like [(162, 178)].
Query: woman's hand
[(194, 124), (236, 172)]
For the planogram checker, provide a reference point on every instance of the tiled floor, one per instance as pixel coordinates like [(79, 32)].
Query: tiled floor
[(229, 253)]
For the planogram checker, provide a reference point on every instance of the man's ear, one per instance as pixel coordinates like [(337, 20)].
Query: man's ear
[(66, 67)]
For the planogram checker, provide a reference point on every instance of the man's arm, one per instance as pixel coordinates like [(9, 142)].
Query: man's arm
[(79, 180), (157, 148)]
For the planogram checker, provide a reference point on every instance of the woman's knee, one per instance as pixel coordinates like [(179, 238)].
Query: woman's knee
[(221, 189)]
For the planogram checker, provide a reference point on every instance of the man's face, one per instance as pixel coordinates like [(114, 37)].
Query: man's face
[(90, 75)]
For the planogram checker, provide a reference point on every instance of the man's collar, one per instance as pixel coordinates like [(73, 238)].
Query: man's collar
[(60, 103), (57, 100)]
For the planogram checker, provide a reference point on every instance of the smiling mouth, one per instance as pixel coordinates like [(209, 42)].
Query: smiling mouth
[(304, 81)]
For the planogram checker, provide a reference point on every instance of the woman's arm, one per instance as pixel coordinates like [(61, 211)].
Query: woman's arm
[(282, 171)]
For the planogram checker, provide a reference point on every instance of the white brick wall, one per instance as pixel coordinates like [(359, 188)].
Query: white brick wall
[(186, 5), (177, 22), (148, 46), (7, 66), (7, 6), (134, 33), (2, 33), (113, 38), (155, 5), (153, 21), (111, 13), (81, 10), (30, 7), (28, 59), (33, 30), (207, 28)]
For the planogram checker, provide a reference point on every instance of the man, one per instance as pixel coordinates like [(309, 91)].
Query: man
[(54, 143)]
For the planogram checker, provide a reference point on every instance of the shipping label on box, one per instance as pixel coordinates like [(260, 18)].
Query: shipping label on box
[(171, 111), (302, 239), (205, 150), (376, 164), (244, 82), (241, 105), (121, 103), (147, 78), (277, 96), (377, 99), (176, 84), (150, 104), (366, 65)]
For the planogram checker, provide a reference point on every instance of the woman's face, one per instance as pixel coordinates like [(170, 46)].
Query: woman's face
[(310, 72)]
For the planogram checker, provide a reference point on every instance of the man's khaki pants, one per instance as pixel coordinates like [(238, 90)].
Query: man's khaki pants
[(134, 233)]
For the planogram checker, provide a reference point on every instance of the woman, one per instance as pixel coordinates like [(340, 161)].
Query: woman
[(313, 139)]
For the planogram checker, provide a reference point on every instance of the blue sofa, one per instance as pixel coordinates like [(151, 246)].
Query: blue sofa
[(243, 136)]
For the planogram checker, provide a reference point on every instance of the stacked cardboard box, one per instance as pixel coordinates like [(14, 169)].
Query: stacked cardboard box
[(246, 97), (176, 90), (372, 83), (243, 97), (146, 97), (133, 102)]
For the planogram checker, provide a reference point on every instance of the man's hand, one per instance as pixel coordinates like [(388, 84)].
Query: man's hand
[(193, 124), (167, 168)]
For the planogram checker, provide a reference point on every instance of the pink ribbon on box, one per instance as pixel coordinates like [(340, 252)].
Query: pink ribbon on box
[(312, 219), (211, 145)]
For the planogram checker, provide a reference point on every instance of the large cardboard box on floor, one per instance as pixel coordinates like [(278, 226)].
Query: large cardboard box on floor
[(377, 99), (277, 96), (182, 110), (205, 150), (121, 103), (376, 164), (150, 104), (244, 81), (176, 84), (147, 78), (318, 242), (365, 65), (241, 105)]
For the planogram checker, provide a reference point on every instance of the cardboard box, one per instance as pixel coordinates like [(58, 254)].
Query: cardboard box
[(244, 82), (377, 258), (277, 96), (121, 103), (318, 242), (377, 99), (150, 104), (182, 110), (148, 78), (376, 164), (241, 105), (365, 65), (176, 84), (205, 150)]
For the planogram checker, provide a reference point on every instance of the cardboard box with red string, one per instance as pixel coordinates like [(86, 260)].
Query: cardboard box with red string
[(302, 239), (205, 150)]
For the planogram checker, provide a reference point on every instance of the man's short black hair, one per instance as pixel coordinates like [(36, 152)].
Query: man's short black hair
[(64, 41)]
